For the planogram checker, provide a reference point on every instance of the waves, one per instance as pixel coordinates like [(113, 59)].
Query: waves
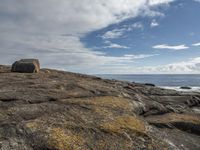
[(178, 88)]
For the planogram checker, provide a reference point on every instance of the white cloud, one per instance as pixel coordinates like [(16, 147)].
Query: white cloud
[(113, 34), (114, 45), (141, 56), (137, 25), (37, 28), (171, 47), (190, 66), (154, 23), (158, 2), (196, 44), (119, 32), (197, 1)]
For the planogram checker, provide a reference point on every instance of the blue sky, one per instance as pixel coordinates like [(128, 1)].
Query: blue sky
[(180, 25), (127, 36)]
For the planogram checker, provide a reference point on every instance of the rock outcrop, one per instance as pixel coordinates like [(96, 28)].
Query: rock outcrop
[(56, 110), (26, 66), (185, 88)]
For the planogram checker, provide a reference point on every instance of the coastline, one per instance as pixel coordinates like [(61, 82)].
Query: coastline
[(166, 81), (178, 88)]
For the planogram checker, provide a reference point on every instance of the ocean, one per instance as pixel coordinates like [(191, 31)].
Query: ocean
[(169, 81)]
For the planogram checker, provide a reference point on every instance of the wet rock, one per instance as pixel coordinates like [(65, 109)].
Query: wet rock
[(26, 66), (185, 88), (150, 84)]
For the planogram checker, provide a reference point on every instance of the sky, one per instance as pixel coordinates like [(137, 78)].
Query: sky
[(103, 36)]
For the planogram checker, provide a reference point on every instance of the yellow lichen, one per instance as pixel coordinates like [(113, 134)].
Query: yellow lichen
[(119, 124), (103, 111), (103, 101), (172, 117), (33, 125), (64, 140), (3, 116)]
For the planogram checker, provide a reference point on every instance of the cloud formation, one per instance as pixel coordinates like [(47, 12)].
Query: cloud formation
[(137, 25), (158, 2), (190, 66), (171, 47), (113, 34), (154, 23), (196, 44), (51, 30), (119, 32), (114, 45)]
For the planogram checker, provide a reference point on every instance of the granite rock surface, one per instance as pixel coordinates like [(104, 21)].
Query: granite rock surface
[(56, 110)]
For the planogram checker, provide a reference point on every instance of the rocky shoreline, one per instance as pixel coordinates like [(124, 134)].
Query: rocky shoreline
[(57, 110)]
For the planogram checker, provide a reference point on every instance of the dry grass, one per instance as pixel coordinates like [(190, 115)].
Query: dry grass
[(64, 140), (33, 125), (57, 138), (103, 101), (184, 118), (108, 113), (119, 124), (172, 117)]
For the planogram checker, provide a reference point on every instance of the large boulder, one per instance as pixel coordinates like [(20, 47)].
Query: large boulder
[(26, 66)]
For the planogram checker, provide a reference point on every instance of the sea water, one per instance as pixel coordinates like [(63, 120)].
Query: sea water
[(168, 81)]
